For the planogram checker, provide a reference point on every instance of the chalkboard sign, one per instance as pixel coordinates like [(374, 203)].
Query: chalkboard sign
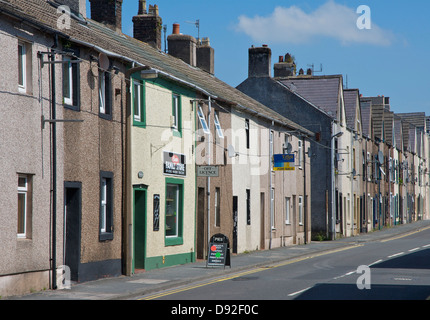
[(219, 251)]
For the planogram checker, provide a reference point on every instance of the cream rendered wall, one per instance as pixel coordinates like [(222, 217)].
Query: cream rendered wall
[(246, 170), (148, 145)]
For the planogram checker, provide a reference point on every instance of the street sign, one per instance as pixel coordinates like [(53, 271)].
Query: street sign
[(283, 162), (207, 171)]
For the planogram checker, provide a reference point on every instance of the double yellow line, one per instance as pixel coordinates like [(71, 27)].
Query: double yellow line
[(406, 234), (240, 274)]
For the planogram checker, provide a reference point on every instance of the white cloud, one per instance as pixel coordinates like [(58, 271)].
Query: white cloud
[(331, 20)]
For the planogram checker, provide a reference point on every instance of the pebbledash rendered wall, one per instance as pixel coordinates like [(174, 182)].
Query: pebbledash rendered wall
[(25, 149)]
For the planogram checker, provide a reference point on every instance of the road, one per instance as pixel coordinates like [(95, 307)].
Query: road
[(391, 269)]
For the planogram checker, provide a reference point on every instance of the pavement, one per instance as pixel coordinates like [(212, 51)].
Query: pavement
[(152, 281)]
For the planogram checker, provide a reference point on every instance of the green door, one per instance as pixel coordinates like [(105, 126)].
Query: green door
[(139, 228)]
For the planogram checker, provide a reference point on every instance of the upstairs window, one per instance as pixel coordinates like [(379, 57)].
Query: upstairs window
[(176, 115), (71, 83), (24, 67), (138, 102), (202, 120), (218, 126), (105, 95)]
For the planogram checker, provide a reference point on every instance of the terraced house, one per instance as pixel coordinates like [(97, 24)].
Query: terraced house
[(119, 157), (112, 130)]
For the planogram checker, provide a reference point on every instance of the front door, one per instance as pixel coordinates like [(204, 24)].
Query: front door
[(139, 228), (72, 218)]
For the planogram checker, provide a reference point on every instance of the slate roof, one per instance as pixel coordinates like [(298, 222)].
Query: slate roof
[(350, 97), (366, 116), (92, 34), (418, 119), (398, 132), (322, 91)]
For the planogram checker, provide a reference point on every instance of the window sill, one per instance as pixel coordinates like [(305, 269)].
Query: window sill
[(105, 116), (105, 236), (174, 241)]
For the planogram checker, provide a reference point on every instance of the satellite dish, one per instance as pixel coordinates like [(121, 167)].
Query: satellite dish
[(104, 62), (289, 148), (230, 151), (381, 157)]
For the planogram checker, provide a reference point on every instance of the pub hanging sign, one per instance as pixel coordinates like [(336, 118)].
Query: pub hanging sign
[(174, 164)]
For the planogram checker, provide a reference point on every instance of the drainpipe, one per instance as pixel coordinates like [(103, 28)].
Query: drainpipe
[(209, 163), (54, 168)]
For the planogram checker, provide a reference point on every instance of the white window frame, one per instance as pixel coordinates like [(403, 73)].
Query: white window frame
[(103, 204), (23, 61), (300, 210), (137, 94), (69, 100), (287, 210), (202, 120), (175, 124), (102, 92), (218, 126), (23, 190), (299, 151), (271, 151)]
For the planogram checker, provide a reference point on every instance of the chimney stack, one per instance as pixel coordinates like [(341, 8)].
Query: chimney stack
[(182, 46), (285, 67), (147, 25), (205, 56), (108, 12), (259, 63)]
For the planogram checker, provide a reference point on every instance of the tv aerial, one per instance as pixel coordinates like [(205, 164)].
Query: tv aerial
[(197, 24)]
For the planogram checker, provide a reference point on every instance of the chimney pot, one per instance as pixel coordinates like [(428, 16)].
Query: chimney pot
[(176, 28), (281, 58)]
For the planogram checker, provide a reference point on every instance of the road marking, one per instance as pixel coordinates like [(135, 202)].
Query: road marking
[(236, 275), (396, 254), (426, 246), (376, 262), (298, 292), (414, 249), (405, 235)]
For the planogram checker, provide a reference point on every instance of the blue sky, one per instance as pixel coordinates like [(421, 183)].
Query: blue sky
[(390, 59)]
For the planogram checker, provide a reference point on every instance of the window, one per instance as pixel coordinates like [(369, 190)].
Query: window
[(287, 210), (24, 206), (105, 95), (22, 66), (176, 113), (174, 211), (247, 132), (300, 155), (71, 83), (202, 120), (217, 207), (138, 102), (300, 210), (106, 205), (248, 207), (218, 126)]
